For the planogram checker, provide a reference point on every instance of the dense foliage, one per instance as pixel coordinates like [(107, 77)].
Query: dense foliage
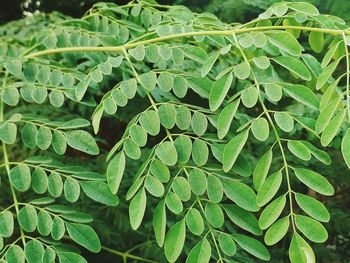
[(211, 139)]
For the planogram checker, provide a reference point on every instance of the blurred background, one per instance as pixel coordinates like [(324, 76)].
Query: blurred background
[(227, 10)]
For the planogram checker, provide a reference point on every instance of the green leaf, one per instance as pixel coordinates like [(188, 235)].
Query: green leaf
[(284, 121), (129, 88), (174, 241), (138, 52), (326, 115), (137, 209), (259, 40), (269, 188), (29, 134), (58, 228), (39, 94), (55, 185), (273, 91), (250, 96), (294, 65), (33, 251), (180, 86), (262, 62), (44, 223), (15, 254), (277, 231), (285, 41), (312, 207), (209, 63), (300, 251), (260, 129), (154, 186), (149, 120), (10, 96), (178, 56), (197, 181), (71, 189), (199, 123), (14, 67), (70, 257), (49, 255), (182, 188), (316, 41), (326, 74), (320, 155), (8, 132), (315, 181), (226, 117), (138, 135), (160, 170), (304, 7), (115, 171), (233, 149), (219, 91), (183, 145), (332, 128), (252, 246), (28, 218), (20, 177), (6, 224), (243, 219), (200, 152), (59, 143), (261, 169), (311, 228), (131, 149), (167, 115), (148, 80), (166, 152), (85, 236), (227, 245), (96, 75), (214, 215), (345, 148), (215, 189), (183, 118), (299, 150), (81, 88), (241, 194), (302, 94), (270, 214), (165, 81), (242, 70), (173, 202), (82, 141), (195, 222), (159, 222), (44, 138), (99, 192), (200, 253)]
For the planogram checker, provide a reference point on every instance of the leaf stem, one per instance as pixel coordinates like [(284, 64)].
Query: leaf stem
[(121, 48), (278, 139), (347, 75), (127, 255), (7, 167)]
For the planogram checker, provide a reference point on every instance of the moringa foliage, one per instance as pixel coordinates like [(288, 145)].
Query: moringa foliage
[(200, 97)]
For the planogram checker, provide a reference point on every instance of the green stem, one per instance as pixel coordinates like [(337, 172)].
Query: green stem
[(185, 34), (125, 255), (211, 233), (347, 76), (278, 139), (7, 167)]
